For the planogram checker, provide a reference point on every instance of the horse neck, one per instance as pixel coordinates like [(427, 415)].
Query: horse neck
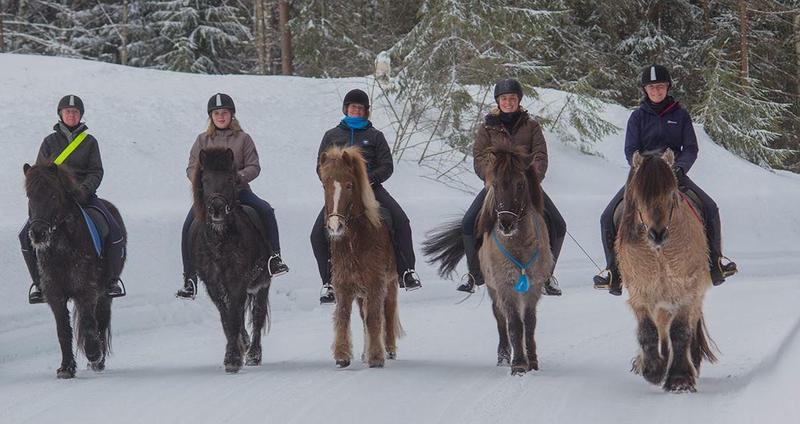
[(359, 231)]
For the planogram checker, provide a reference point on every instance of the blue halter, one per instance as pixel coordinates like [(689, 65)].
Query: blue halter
[(522, 284)]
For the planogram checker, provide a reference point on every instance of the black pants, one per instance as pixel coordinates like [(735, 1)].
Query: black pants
[(246, 197), (404, 247), (556, 226), (709, 210), (113, 246)]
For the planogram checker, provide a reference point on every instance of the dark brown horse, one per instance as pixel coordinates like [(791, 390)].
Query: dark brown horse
[(68, 265), (663, 258), (231, 257), (362, 259), (515, 255)]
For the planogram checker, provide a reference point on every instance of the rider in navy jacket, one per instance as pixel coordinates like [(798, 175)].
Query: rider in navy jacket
[(660, 123)]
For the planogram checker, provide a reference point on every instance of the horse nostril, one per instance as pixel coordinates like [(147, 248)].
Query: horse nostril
[(657, 237)]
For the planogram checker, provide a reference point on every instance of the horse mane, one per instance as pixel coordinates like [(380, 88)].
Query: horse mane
[(47, 174), (214, 159), (337, 159), (508, 160)]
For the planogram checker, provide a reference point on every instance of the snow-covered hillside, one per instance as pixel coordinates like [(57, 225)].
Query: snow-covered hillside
[(167, 362)]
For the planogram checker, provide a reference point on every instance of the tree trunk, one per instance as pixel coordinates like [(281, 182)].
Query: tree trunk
[(286, 38), (261, 36), (797, 53), (2, 34), (745, 71), (123, 34), (706, 17)]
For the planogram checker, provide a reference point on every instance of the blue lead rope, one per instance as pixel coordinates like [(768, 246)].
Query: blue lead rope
[(522, 284)]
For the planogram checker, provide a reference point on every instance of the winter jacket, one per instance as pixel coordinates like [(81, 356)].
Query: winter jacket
[(245, 156), (84, 162), (526, 132), (650, 131), (374, 149)]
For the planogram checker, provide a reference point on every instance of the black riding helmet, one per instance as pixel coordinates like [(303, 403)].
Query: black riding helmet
[(70, 100), (358, 97), (654, 74), (221, 101), (507, 86)]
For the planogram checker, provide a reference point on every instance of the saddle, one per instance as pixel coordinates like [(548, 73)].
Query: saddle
[(691, 196)]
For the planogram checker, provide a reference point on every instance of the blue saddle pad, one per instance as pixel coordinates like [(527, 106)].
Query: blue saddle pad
[(97, 239)]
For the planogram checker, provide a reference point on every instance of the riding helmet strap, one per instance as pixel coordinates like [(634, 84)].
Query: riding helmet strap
[(70, 148)]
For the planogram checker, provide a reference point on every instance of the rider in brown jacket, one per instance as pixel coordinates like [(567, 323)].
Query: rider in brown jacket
[(508, 122)]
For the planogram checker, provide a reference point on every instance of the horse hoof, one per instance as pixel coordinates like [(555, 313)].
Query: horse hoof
[(342, 363), (376, 363), (680, 384), (518, 370), (503, 362), (232, 368), (533, 366), (391, 355), (66, 372), (253, 362), (97, 366)]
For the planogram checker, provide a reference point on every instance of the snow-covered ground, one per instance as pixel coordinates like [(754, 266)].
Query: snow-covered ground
[(167, 361)]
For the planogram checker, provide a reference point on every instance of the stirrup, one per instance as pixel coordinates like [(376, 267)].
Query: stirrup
[(602, 285), (193, 285), (36, 300), (120, 294), (326, 293), (551, 287), (414, 276), (467, 284), (726, 274), (269, 266)]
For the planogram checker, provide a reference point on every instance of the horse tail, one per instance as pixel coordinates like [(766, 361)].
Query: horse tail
[(705, 342), (80, 338), (446, 246)]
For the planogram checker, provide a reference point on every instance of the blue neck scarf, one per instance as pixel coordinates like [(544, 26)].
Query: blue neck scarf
[(354, 123)]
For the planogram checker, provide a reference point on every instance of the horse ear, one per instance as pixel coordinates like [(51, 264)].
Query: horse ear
[(669, 157), (347, 158), (25, 168), (637, 159), (202, 157), (322, 158)]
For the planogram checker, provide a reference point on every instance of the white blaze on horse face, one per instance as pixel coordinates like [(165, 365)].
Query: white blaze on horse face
[(335, 226)]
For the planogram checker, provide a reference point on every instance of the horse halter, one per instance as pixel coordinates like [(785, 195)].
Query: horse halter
[(216, 196), (344, 218), (669, 220)]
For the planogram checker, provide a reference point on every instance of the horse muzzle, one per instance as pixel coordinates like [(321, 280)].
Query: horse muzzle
[(335, 226), (40, 234), (657, 237), (507, 225)]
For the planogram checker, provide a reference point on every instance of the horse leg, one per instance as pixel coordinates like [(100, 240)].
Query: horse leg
[(519, 362), (376, 352), (64, 330), (342, 344), (681, 374), (503, 348), (530, 340), (259, 312), (103, 314), (362, 313), (233, 332), (649, 363), (391, 321)]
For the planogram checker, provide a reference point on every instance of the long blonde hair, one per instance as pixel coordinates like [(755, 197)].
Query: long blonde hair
[(234, 126)]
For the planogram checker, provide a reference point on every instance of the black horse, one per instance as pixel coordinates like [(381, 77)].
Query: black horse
[(231, 255), (68, 265)]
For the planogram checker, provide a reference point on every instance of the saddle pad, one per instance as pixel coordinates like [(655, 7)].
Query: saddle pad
[(91, 218)]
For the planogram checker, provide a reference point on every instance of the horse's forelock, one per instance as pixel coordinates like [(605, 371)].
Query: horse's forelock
[(653, 181), (350, 162), (46, 176)]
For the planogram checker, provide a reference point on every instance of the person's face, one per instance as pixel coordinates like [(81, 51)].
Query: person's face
[(355, 110), (508, 103), (657, 92), (222, 118), (70, 116)]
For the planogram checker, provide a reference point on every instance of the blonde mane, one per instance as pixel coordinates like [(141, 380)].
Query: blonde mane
[(336, 161)]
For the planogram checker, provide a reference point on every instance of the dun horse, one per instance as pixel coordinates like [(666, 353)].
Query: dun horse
[(362, 259), (69, 268), (231, 256), (515, 255), (663, 259)]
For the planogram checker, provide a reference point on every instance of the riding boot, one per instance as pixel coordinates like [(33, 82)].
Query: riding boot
[(34, 292), (276, 265), (611, 281), (551, 287), (475, 276), (410, 280), (116, 258)]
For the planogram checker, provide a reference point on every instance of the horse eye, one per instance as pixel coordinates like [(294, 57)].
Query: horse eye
[(349, 185)]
